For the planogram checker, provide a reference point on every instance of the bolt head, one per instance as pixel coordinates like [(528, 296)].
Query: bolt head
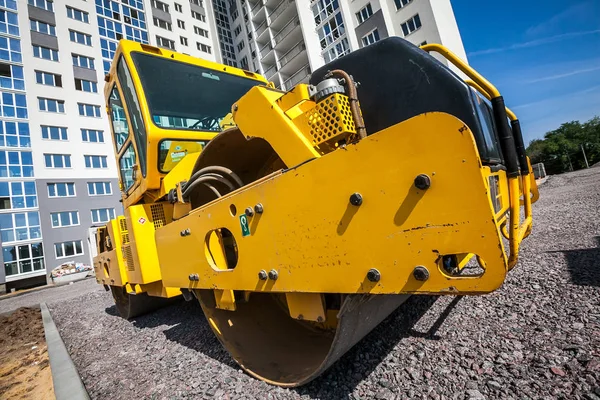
[(259, 208), (273, 275), (421, 273), (356, 199), (373, 275), (422, 182), (249, 212), (262, 275)]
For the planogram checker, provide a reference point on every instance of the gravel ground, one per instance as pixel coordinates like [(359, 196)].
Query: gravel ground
[(536, 337), (49, 294)]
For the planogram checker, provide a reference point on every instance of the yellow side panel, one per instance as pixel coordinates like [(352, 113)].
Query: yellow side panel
[(142, 220), (319, 242), (181, 172), (109, 266)]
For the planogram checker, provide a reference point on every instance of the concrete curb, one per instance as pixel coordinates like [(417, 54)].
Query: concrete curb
[(67, 384)]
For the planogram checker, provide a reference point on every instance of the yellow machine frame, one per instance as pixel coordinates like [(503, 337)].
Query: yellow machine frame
[(310, 238)]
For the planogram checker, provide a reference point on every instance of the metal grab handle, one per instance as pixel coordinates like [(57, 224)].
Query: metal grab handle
[(516, 231)]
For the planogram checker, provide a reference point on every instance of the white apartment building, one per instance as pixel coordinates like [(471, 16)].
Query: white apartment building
[(58, 177), (285, 40)]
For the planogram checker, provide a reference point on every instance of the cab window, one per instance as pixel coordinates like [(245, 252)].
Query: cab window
[(134, 111), (117, 116), (188, 97), (126, 163), (488, 128), (170, 152)]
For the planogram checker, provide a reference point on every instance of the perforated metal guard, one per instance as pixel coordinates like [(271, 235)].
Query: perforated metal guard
[(126, 247), (158, 215), (330, 120)]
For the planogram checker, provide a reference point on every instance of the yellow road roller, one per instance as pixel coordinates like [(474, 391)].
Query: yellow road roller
[(300, 219)]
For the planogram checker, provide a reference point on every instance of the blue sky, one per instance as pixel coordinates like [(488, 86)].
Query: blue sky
[(544, 57)]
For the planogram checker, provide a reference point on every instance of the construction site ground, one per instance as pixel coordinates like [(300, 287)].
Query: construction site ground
[(24, 366), (537, 337)]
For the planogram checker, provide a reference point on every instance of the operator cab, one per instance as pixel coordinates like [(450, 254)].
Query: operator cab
[(164, 106)]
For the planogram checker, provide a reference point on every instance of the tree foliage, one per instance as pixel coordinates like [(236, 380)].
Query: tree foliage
[(561, 149)]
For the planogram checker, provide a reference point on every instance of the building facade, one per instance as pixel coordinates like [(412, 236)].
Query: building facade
[(285, 40), (58, 177)]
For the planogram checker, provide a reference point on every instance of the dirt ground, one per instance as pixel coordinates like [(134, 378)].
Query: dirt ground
[(24, 365)]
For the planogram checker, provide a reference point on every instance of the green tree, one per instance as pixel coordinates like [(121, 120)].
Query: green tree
[(561, 149)]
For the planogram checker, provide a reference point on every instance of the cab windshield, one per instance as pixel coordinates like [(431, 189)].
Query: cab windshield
[(183, 96)]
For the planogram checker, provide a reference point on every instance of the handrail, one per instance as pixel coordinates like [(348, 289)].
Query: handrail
[(511, 115), (464, 67), (516, 181)]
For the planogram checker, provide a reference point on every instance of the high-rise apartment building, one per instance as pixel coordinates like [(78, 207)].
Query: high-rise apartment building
[(285, 40), (58, 178)]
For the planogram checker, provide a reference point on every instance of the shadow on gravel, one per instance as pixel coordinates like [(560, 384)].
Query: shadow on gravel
[(583, 265), (375, 347), (188, 327), (112, 310)]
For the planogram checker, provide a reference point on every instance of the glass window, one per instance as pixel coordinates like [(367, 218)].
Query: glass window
[(61, 189), (64, 218), (81, 38), (20, 226), (126, 163), (371, 38), (47, 5), (118, 118), (134, 111), (45, 53), (23, 258), (68, 249), (488, 128), (57, 160), (103, 215), (99, 188), (54, 132), (77, 15), (51, 105), (96, 162), (88, 110), (92, 136), (42, 27), (401, 3), (9, 23), (170, 152), (82, 61)]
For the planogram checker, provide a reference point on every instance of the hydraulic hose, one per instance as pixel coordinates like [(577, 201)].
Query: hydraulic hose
[(353, 98)]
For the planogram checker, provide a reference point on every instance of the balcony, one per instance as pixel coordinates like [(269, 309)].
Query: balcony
[(281, 7), (298, 77), (269, 72), (287, 29), (289, 56), (261, 28), (256, 6), (266, 49)]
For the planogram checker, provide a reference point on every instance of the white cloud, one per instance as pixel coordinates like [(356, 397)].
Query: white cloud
[(533, 43)]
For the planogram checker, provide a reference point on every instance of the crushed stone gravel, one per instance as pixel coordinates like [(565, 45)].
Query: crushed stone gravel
[(537, 337)]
